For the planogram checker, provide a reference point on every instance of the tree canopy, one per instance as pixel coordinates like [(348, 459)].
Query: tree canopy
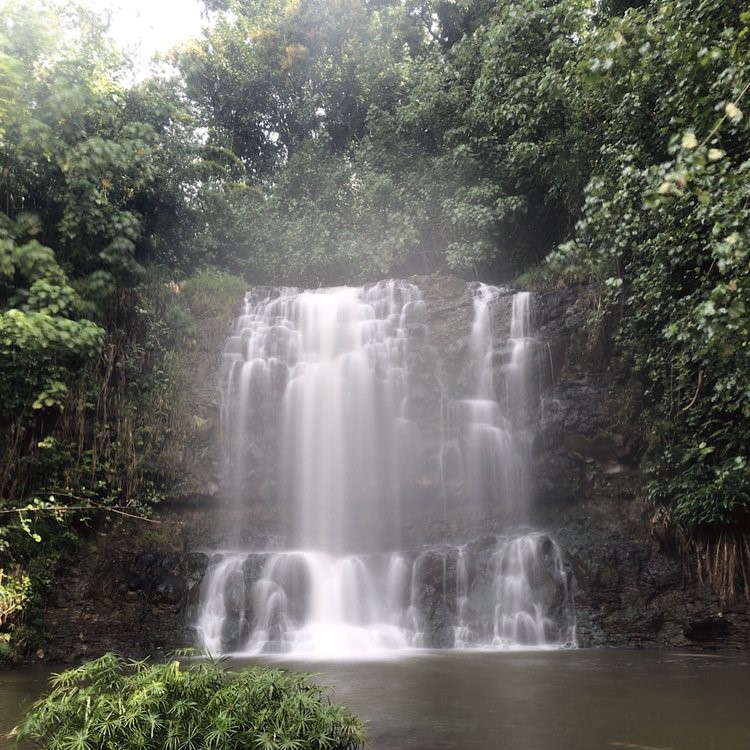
[(309, 142)]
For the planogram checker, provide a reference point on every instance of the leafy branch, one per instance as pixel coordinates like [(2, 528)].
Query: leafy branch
[(60, 510)]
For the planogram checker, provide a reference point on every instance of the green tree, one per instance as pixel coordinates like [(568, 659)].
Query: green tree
[(98, 179), (664, 232)]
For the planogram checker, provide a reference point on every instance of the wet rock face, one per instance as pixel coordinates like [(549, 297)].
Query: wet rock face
[(136, 604), (711, 629), (587, 490), (584, 489), (630, 593)]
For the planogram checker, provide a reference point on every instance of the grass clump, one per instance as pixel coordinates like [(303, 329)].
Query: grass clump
[(112, 703)]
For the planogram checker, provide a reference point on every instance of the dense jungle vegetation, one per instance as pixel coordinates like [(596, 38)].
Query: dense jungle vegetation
[(311, 142)]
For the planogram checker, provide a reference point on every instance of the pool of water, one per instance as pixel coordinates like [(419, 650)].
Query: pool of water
[(17, 688), (526, 700)]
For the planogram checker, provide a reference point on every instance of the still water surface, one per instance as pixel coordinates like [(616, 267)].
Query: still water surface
[(542, 700)]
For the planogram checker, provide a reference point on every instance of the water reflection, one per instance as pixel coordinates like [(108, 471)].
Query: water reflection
[(543, 700), (18, 688), (551, 700)]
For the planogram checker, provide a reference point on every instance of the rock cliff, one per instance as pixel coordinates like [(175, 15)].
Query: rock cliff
[(137, 592)]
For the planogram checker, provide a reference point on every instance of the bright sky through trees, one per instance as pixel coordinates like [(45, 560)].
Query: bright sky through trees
[(148, 26)]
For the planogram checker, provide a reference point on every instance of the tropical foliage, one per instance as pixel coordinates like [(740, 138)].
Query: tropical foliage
[(97, 184), (111, 703), (664, 231), (315, 142)]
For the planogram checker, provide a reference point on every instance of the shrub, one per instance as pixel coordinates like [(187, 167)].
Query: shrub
[(111, 703)]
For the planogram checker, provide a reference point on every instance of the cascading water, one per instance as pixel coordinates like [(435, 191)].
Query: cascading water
[(486, 448), (319, 383)]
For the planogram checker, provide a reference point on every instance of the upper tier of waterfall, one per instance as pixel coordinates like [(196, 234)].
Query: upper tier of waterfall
[(325, 372)]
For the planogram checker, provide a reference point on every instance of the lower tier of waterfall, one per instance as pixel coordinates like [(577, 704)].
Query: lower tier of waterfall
[(494, 592)]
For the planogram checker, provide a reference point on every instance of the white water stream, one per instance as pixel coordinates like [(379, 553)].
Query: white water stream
[(320, 382)]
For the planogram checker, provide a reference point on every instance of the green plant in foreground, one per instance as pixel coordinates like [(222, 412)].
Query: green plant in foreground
[(112, 703)]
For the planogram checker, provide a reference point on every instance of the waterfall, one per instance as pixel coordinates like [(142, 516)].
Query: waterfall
[(486, 445), (318, 394)]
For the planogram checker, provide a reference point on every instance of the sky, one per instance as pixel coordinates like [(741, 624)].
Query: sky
[(148, 26)]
